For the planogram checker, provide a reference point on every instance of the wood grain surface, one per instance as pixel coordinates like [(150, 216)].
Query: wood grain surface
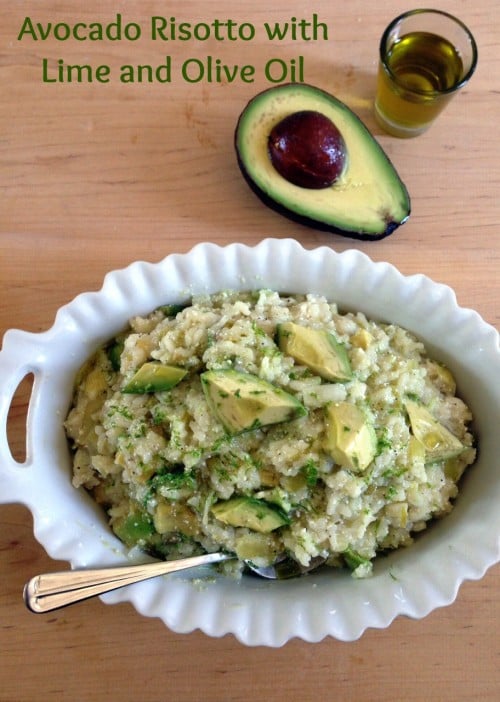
[(96, 175)]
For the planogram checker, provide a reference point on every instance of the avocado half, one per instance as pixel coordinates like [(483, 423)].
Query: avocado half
[(368, 201)]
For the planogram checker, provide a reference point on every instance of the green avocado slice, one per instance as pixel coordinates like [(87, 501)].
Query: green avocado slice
[(114, 352), (438, 442), (242, 401), (368, 200), (154, 377), (136, 526), (350, 436), (317, 349), (250, 512), (353, 559)]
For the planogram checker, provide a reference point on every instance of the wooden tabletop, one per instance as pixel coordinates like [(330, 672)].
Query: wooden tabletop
[(94, 175)]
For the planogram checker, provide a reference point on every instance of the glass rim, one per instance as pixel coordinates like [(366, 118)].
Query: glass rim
[(454, 19)]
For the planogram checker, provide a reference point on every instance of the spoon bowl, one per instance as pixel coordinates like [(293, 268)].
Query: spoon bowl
[(284, 568)]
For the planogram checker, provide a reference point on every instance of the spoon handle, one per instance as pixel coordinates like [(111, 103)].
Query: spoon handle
[(49, 591)]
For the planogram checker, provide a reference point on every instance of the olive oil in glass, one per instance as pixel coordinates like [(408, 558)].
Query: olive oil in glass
[(421, 71), (425, 63), (426, 57)]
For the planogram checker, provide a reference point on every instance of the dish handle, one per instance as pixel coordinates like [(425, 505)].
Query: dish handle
[(21, 356)]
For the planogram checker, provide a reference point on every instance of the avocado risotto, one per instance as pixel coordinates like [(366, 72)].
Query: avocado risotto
[(260, 423)]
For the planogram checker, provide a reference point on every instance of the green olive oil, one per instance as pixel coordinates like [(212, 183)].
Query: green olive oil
[(420, 72)]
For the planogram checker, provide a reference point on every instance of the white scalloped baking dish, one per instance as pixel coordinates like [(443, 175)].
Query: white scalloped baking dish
[(410, 582)]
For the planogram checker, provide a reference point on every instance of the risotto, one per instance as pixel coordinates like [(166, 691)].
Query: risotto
[(260, 423)]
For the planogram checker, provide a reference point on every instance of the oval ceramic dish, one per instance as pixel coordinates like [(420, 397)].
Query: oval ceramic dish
[(410, 582)]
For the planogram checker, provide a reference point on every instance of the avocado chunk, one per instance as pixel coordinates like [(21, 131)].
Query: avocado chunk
[(317, 349), (114, 352), (353, 559), (362, 339), (154, 377), (242, 401), (438, 442), (441, 376), (136, 526), (250, 512), (172, 310), (350, 436), (367, 200)]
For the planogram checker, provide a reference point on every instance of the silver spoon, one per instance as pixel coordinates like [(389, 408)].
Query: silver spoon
[(49, 591)]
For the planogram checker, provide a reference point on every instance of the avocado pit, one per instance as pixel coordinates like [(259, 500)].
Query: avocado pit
[(307, 149)]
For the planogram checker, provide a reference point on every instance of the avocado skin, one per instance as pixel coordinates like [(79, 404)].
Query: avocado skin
[(304, 220)]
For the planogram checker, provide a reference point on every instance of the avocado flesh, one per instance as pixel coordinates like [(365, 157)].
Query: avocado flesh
[(353, 559), (350, 439), (317, 349), (136, 526), (114, 352), (438, 442), (249, 512), (154, 377), (242, 401), (367, 201)]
